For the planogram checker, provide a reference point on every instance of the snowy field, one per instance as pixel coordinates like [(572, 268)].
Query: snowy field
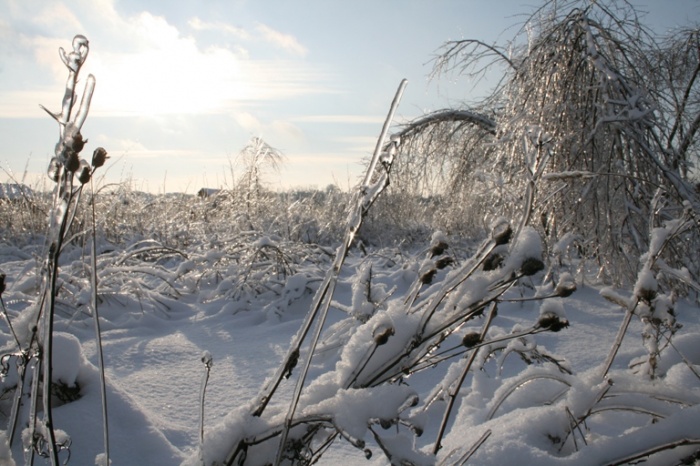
[(153, 350), (467, 317)]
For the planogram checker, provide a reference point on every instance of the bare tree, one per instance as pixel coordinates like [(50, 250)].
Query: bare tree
[(257, 157), (587, 83)]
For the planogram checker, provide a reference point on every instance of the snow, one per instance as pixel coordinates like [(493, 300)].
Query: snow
[(14, 191), (155, 356)]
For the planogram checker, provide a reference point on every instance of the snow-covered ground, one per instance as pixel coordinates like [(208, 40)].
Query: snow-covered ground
[(153, 361)]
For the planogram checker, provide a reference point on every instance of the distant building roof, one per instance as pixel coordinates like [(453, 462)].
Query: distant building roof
[(206, 192)]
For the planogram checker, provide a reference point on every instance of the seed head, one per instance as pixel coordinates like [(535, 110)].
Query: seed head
[(84, 172), (647, 294), (79, 41), (427, 277), (443, 262), (493, 261), (531, 266), (77, 142), (386, 423), (291, 364), (382, 333), (99, 157), (552, 321), (471, 339), (565, 287), (54, 169), (72, 161), (438, 248), (501, 232)]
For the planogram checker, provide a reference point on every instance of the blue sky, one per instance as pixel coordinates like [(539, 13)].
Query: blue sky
[(182, 85)]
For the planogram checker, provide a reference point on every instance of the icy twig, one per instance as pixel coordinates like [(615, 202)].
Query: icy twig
[(208, 362), (96, 321), (455, 391), (653, 450), (367, 195)]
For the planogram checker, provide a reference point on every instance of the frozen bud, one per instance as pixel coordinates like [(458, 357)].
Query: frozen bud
[(531, 266), (79, 41), (552, 316), (438, 243), (291, 363), (413, 401), (647, 294), (443, 262), (84, 172), (368, 453), (552, 321), (382, 333), (493, 261), (471, 339), (77, 142), (72, 161), (72, 60), (2, 283), (646, 287), (386, 423), (54, 169), (501, 232), (438, 248), (207, 359), (99, 157), (427, 277), (566, 286)]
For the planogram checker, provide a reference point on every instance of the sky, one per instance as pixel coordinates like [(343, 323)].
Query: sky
[(183, 85)]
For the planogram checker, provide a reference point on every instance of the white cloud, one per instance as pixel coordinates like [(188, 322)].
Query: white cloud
[(248, 122), (219, 26), (145, 65), (171, 74), (25, 104), (366, 119), (57, 16), (279, 39), (276, 130)]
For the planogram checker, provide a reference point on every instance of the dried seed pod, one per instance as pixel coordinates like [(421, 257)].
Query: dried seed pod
[(443, 262), (72, 161), (438, 248), (647, 294), (565, 287), (291, 364), (76, 142), (427, 277), (501, 232), (552, 321), (84, 172), (99, 156), (382, 333), (54, 169), (493, 261), (471, 339), (531, 266), (79, 41)]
